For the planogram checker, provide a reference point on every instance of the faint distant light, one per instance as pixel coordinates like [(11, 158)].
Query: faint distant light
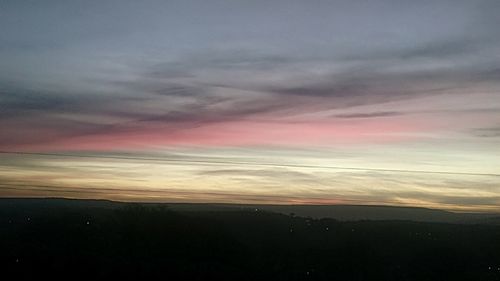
[(327, 229), (307, 272), (17, 260), (29, 219), (88, 222), (256, 210)]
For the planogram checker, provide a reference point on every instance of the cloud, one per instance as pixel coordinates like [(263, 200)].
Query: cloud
[(369, 115), (474, 201), (147, 80), (236, 59), (227, 92), (15, 101), (490, 132)]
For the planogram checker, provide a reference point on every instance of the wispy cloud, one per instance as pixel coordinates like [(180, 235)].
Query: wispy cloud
[(369, 115), (490, 132)]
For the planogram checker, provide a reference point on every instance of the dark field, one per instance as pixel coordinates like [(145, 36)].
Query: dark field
[(77, 239)]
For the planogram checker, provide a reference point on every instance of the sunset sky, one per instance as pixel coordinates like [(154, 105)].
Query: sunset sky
[(385, 102)]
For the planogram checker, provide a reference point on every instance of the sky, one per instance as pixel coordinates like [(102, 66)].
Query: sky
[(381, 102)]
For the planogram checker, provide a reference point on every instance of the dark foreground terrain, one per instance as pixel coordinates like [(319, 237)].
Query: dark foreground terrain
[(77, 239)]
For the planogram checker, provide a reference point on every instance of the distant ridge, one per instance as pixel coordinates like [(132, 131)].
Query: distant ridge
[(338, 212)]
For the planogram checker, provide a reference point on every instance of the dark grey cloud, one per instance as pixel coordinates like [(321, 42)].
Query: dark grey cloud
[(440, 50), (346, 92), (44, 129), (364, 84), (447, 48), (369, 81), (17, 100), (38, 115), (215, 59), (490, 132), (202, 113), (370, 114), (179, 90)]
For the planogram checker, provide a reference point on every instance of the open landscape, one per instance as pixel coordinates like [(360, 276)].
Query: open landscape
[(103, 239), (350, 140)]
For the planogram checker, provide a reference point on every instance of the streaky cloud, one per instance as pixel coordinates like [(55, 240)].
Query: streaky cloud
[(369, 115)]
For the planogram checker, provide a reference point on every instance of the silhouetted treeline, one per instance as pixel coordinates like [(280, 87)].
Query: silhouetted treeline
[(144, 241)]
